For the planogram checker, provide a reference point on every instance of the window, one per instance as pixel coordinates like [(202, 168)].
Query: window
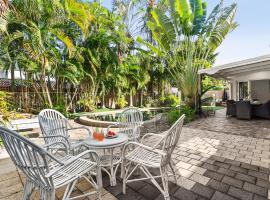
[(243, 90)]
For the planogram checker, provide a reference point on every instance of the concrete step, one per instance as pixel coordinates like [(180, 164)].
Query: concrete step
[(22, 125)]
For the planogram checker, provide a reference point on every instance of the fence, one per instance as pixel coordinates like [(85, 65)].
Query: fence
[(23, 98)]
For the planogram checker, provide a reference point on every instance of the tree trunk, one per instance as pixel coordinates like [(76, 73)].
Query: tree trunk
[(72, 99), (36, 90), (103, 101), (130, 98), (112, 100), (141, 97), (12, 73), (44, 86)]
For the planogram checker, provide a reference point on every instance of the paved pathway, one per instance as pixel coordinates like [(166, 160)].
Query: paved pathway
[(220, 159), (216, 159), (258, 128), (217, 165)]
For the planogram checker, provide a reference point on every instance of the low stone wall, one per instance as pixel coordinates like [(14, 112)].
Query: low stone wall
[(95, 123)]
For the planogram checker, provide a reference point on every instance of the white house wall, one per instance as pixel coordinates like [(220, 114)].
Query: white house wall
[(17, 75), (3, 74), (260, 90), (234, 90)]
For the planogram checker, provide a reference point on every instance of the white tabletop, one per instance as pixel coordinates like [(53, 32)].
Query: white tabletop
[(107, 142)]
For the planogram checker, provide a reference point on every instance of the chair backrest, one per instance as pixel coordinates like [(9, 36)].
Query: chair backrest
[(130, 121), (31, 159), (53, 123), (243, 110), (229, 102), (171, 139)]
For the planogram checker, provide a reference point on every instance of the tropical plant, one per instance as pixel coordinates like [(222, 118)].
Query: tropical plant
[(175, 113), (170, 100), (149, 101), (187, 38), (5, 7), (121, 102), (78, 52), (5, 114)]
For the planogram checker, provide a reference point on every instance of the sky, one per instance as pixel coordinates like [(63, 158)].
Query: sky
[(250, 39)]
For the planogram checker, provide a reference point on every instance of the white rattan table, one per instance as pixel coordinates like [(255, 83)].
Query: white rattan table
[(109, 161)]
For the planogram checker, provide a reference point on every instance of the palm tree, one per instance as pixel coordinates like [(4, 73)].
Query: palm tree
[(187, 39), (136, 76), (5, 7), (45, 26)]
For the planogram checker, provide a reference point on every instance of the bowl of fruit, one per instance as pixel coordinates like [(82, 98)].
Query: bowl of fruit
[(111, 134)]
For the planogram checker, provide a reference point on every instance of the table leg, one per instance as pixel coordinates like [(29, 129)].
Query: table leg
[(113, 171)]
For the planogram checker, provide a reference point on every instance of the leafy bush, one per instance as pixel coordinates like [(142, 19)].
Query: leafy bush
[(88, 104), (162, 99), (174, 114), (121, 102), (148, 101), (4, 108), (172, 100), (62, 109), (189, 112)]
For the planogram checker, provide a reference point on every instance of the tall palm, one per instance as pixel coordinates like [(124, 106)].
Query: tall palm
[(42, 24), (187, 39), (3, 11)]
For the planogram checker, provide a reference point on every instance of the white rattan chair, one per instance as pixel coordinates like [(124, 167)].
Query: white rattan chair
[(46, 173), (129, 122), (157, 156), (55, 128)]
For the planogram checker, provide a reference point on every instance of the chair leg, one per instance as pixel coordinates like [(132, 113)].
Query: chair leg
[(47, 195), (69, 190), (28, 189), (52, 195), (164, 178), (122, 167), (127, 173), (124, 174), (99, 183), (172, 166)]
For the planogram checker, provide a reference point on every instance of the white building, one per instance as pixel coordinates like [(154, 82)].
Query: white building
[(4, 75), (249, 79)]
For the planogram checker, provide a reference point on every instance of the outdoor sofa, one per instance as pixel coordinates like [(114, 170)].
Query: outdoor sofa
[(262, 111), (247, 110)]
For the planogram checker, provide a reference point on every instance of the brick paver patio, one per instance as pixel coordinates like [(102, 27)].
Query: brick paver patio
[(216, 158)]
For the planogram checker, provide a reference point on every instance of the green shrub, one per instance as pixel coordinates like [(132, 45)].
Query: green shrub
[(189, 112), (121, 102), (62, 109), (148, 101), (172, 100), (88, 104), (174, 114), (5, 114), (162, 100)]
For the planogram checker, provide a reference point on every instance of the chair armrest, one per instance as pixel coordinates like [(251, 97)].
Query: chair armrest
[(89, 152), (81, 127), (71, 160), (160, 152), (151, 134), (155, 145), (57, 136), (48, 146)]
